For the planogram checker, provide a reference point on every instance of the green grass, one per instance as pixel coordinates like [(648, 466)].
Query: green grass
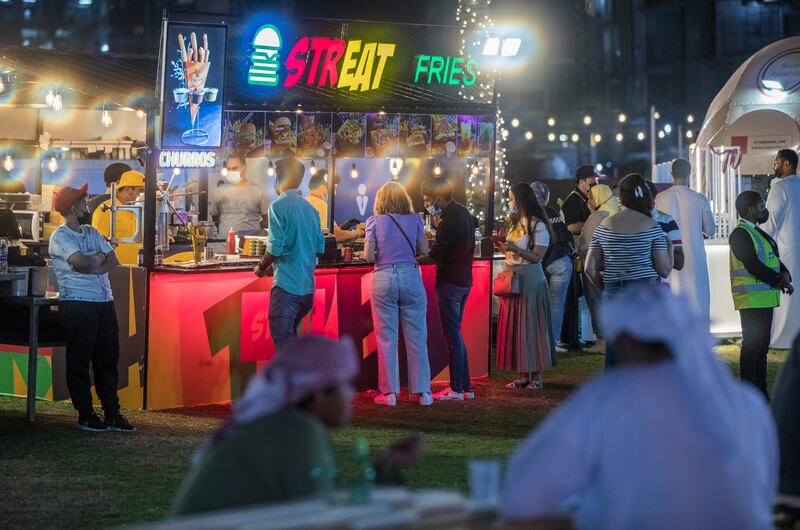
[(56, 476)]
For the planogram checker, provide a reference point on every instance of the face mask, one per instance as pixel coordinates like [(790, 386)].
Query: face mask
[(433, 209), (512, 208), (233, 177)]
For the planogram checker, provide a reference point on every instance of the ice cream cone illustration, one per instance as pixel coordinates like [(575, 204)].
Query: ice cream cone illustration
[(196, 74)]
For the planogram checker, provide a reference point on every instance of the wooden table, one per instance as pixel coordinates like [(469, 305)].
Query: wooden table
[(33, 304), (389, 508)]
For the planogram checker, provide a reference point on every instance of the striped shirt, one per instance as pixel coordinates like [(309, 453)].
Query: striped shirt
[(628, 256)]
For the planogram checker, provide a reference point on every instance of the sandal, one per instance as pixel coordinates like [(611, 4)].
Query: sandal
[(518, 383)]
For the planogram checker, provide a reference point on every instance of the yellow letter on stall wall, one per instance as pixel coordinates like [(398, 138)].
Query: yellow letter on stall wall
[(364, 71), (384, 52), (349, 63)]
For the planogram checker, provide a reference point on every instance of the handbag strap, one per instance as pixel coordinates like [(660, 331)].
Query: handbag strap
[(410, 244)]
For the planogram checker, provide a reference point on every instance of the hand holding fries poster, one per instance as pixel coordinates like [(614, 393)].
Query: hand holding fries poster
[(194, 79)]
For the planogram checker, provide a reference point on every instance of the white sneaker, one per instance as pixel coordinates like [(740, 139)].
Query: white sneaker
[(469, 394), (560, 348), (425, 399), (390, 400), (448, 395)]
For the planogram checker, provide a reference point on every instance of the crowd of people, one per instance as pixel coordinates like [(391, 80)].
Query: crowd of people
[(691, 436)]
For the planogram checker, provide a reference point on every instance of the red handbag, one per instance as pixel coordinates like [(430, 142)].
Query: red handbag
[(506, 284)]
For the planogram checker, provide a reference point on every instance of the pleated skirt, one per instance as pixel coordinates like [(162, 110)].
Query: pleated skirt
[(525, 340)]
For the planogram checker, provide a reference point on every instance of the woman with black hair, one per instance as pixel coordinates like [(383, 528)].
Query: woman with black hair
[(629, 248), (525, 341)]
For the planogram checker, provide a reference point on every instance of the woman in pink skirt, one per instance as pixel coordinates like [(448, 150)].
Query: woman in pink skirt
[(525, 342)]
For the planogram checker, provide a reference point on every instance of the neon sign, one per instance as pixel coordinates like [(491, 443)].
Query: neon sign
[(445, 70), (264, 62), (187, 159), (335, 63)]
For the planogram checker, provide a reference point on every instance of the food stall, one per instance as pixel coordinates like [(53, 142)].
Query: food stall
[(756, 113), (369, 103)]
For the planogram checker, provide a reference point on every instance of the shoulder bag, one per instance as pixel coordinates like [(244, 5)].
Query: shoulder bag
[(410, 244), (506, 284)]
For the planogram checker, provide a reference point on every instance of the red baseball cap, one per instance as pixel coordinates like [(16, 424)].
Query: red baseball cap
[(65, 197)]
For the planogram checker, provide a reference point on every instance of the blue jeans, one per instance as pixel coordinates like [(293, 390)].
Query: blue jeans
[(559, 274), (452, 300), (398, 296), (286, 311)]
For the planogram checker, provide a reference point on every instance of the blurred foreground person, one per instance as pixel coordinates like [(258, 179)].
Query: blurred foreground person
[(786, 409), (276, 446), (667, 438)]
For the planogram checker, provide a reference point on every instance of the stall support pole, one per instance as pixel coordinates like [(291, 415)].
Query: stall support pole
[(652, 139), (490, 220), (149, 227)]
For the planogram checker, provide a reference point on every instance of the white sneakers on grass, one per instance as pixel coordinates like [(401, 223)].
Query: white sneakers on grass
[(390, 400)]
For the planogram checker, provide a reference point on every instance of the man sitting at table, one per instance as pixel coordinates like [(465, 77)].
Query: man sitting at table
[(81, 260), (276, 445), (666, 438)]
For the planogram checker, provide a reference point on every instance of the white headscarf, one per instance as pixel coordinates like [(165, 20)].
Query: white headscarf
[(300, 368), (653, 314)]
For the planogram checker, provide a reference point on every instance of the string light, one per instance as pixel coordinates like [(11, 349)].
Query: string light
[(689, 134), (661, 134), (620, 137), (640, 136), (576, 137), (587, 120), (312, 168), (515, 123), (52, 164), (597, 138), (353, 171), (528, 135), (551, 121), (622, 117), (551, 137), (690, 119), (437, 169), (271, 169)]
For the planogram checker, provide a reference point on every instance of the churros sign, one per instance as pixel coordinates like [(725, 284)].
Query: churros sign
[(355, 65)]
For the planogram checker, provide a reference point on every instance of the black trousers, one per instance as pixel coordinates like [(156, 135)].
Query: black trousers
[(92, 336), (756, 332)]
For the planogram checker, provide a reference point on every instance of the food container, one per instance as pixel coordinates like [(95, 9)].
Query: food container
[(211, 94), (180, 94), (34, 282)]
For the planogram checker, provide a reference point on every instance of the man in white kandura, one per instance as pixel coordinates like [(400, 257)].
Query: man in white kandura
[(783, 203), (665, 438), (692, 211)]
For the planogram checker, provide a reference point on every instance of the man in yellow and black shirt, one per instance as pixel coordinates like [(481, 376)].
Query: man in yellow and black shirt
[(130, 185), (757, 279)]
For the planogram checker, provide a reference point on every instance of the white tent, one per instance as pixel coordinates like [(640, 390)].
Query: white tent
[(758, 109)]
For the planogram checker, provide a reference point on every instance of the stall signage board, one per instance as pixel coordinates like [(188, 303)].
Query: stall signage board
[(193, 59), (763, 144), (276, 57), (781, 73), (187, 159)]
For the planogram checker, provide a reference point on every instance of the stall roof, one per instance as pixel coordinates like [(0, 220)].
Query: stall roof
[(126, 80)]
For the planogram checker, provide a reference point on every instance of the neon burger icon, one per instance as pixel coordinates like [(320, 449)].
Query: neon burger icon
[(265, 60)]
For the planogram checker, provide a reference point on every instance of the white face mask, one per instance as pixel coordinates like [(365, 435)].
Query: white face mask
[(433, 210), (233, 177)]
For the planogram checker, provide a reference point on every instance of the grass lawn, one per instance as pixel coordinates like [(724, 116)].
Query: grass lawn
[(56, 476)]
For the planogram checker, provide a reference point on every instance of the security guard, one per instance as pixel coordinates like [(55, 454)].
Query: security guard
[(130, 185), (757, 279)]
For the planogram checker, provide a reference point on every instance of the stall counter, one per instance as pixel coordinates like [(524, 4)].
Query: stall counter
[(209, 331)]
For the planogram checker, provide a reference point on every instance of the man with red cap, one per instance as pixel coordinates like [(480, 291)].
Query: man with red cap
[(81, 259)]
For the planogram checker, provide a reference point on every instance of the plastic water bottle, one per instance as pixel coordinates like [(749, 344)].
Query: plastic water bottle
[(3, 255), (361, 485)]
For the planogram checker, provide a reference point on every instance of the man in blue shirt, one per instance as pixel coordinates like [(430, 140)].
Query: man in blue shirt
[(81, 259), (295, 239)]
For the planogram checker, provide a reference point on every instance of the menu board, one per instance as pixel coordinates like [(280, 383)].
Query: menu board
[(281, 133), (383, 135), (415, 135), (244, 134), (314, 135), (193, 69), (445, 128), (485, 130), (350, 134), (466, 136)]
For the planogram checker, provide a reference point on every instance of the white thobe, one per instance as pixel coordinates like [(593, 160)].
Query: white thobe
[(692, 211), (629, 451), (783, 203)]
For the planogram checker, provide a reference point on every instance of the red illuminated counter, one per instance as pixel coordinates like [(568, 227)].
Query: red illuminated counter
[(209, 331)]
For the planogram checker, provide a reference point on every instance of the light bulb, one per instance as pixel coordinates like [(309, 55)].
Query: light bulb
[(690, 118), (2, 86), (622, 117), (353, 171), (575, 137), (551, 122), (8, 163), (395, 169), (437, 169), (689, 134), (312, 168), (528, 135), (587, 120), (551, 137), (515, 122), (597, 138), (57, 103), (640, 136), (176, 171), (271, 169), (657, 115), (48, 99), (620, 137), (52, 164), (475, 168), (140, 114), (223, 172), (661, 134), (105, 119)]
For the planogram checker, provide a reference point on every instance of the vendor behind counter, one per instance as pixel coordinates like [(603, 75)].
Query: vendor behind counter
[(131, 184)]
